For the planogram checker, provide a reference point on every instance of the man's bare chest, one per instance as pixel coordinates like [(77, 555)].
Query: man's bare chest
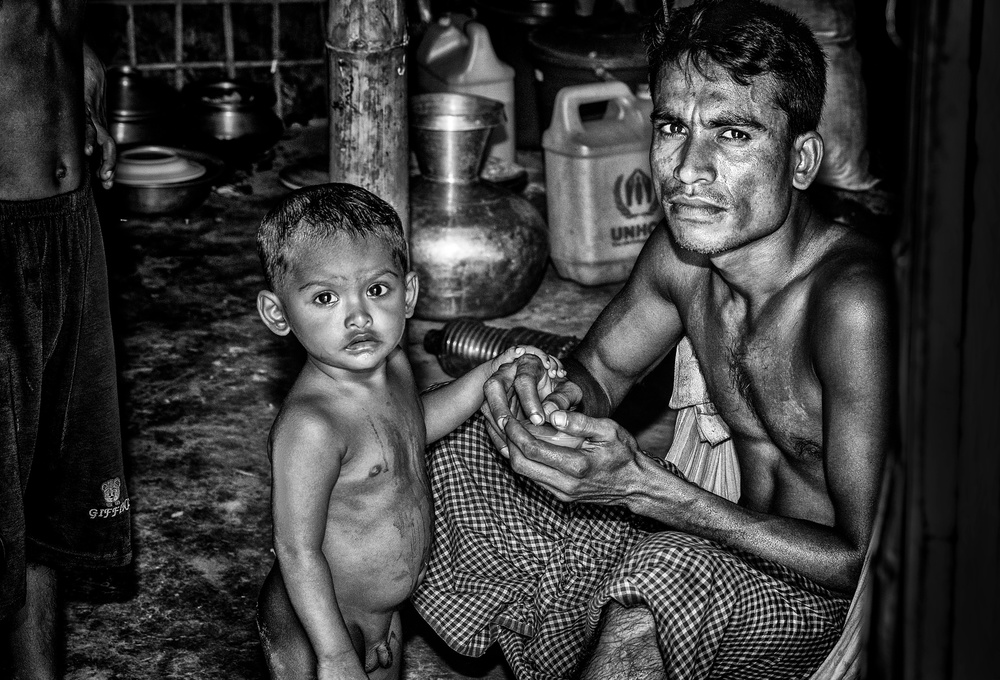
[(761, 380)]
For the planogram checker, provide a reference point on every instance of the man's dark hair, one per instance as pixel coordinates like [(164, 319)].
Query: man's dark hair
[(320, 212), (747, 39)]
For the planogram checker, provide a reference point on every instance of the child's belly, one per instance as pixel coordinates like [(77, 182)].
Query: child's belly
[(378, 554)]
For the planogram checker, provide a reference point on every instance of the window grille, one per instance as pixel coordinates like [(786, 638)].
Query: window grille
[(178, 58)]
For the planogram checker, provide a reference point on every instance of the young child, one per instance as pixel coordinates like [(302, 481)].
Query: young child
[(350, 497)]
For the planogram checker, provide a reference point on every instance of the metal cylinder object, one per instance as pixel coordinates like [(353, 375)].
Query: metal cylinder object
[(462, 344)]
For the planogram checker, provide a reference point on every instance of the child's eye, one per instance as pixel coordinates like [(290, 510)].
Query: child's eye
[(378, 289), (736, 135), (325, 298)]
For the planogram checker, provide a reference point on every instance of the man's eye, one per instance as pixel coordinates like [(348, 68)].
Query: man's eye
[(325, 298), (378, 290), (737, 135), (672, 128)]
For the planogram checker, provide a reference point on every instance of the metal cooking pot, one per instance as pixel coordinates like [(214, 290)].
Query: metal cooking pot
[(138, 197), (234, 120), (139, 110)]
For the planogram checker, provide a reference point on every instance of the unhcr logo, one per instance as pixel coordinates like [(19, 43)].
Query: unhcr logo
[(634, 196)]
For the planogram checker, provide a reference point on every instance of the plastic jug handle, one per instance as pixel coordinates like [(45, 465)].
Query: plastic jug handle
[(570, 99), (480, 45)]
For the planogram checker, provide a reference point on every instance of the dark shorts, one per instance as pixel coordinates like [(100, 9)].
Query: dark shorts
[(511, 564), (62, 484)]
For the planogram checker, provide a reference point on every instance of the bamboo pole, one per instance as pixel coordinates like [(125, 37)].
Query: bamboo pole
[(369, 144)]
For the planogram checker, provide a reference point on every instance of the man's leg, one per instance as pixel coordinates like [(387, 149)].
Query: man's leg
[(31, 632), (626, 647)]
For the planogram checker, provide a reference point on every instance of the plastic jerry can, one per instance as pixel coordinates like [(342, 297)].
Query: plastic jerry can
[(598, 185), (456, 55)]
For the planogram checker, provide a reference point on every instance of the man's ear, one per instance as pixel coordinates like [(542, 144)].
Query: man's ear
[(271, 313), (412, 291), (808, 156)]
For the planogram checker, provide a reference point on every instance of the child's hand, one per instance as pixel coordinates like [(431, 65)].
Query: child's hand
[(554, 367), (548, 381)]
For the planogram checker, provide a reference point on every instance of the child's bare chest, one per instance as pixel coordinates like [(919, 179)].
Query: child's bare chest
[(380, 509)]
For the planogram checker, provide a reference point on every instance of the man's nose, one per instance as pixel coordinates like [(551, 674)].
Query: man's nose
[(695, 162)]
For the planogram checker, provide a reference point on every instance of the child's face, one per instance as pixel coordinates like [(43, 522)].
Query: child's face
[(345, 299)]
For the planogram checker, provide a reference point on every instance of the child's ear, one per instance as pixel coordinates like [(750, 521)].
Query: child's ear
[(412, 290), (808, 149), (271, 313)]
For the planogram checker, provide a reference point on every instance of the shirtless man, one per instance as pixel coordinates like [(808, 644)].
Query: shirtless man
[(59, 411), (789, 317)]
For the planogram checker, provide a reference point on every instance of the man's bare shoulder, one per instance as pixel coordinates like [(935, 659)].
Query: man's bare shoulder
[(852, 281)]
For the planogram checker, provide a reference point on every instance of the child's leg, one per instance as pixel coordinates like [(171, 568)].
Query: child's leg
[(286, 646), (384, 657)]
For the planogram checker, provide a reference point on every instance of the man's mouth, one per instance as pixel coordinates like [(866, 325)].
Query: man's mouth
[(693, 207)]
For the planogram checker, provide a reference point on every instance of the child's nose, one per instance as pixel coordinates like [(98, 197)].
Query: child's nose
[(358, 315)]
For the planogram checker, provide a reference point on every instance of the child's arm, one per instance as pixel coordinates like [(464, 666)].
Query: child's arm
[(306, 459), (451, 405)]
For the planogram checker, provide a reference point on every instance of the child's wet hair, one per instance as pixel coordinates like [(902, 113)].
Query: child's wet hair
[(320, 212)]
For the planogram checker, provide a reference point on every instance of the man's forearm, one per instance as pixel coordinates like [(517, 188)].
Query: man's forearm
[(813, 550), (595, 401)]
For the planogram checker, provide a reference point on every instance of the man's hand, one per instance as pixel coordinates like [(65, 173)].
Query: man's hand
[(600, 471), (524, 388), (97, 136)]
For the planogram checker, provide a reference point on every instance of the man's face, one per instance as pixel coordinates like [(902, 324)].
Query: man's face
[(722, 158)]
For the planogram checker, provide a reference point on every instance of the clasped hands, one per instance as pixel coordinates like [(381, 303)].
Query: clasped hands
[(597, 472)]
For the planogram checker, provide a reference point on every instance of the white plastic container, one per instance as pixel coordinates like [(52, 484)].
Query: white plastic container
[(598, 186), (456, 55)]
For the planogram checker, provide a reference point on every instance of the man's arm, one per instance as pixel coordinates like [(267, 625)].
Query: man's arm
[(306, 465), (851, 343), (630, 336), (633, 332)]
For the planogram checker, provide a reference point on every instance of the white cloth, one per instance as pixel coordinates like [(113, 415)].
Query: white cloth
[(702, 448)]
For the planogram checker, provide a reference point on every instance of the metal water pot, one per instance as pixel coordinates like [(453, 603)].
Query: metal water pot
[(479, 249), (234, 120)]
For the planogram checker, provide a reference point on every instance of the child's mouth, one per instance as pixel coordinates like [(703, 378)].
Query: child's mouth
[(362, 342)]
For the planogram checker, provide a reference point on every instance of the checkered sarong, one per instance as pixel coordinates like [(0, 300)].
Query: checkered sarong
[(513, 565)]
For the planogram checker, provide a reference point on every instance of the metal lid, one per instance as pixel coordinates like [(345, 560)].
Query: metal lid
[(599, 41), (230, 95)]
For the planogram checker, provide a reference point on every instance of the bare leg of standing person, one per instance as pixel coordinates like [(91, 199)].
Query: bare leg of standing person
[(32, 628), (626, 648)]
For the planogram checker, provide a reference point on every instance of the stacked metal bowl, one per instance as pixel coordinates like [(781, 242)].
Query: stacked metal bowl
[(163, 180)]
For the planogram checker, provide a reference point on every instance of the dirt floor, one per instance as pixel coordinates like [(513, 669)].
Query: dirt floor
[(201, 380)]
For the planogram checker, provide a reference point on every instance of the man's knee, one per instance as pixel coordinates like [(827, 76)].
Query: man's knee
[(626, 647)]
